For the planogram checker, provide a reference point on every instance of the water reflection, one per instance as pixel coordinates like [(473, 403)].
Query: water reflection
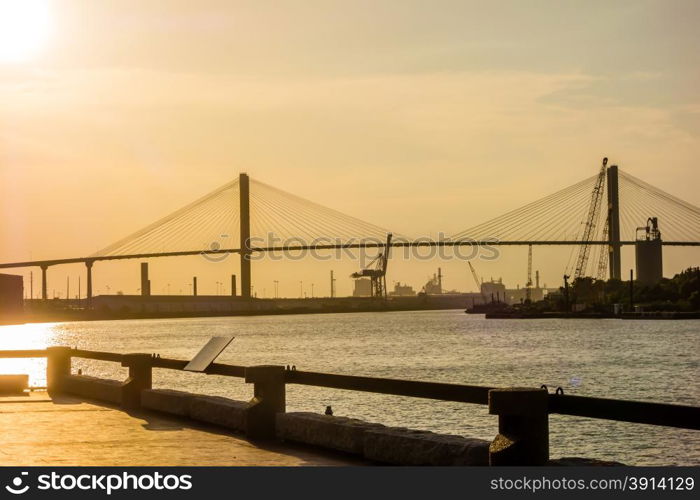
[(29, 336)]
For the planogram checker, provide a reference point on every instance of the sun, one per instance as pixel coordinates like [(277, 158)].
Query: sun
[(24, 29)]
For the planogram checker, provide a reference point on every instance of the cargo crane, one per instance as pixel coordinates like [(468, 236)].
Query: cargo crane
[(376, 271), (478, 281), (589, 228), (603, 258)]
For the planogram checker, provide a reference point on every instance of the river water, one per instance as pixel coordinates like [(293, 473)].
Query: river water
[(625, 359)]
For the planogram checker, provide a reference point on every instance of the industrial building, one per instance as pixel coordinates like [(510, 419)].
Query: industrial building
[(648, 253), (363, 288), (11, 297), (402, 290)]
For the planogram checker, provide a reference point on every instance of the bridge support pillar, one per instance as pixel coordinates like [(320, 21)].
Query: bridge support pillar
[(614, 248), (145, 282), (88, 265), (44, 287), (244, 192)]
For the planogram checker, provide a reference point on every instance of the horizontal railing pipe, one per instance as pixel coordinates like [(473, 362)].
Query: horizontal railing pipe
[(213, 369), (97, 355), (640, 412), (26, 353), (430, 390)]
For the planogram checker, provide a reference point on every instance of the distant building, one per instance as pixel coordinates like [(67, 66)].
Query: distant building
[(11, 297), (402, 290), (497, 291), (434, 285), (494, 290), (363, 288), (518, 295)]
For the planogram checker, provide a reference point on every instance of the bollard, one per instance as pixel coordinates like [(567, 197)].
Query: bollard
[(268, 400), (58, 363), (140, 378), (523, 427)]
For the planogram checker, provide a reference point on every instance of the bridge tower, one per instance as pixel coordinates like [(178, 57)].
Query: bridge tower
[(244, 195), (614, 247)]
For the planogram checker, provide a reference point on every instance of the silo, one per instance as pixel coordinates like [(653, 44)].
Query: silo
[(648, 253)]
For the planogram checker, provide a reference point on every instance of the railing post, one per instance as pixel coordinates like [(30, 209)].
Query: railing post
[(523, 427), (58, 363), (268, 400), (140, 378)]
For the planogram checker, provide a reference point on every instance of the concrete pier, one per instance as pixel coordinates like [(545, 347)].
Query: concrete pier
[(68, 431)]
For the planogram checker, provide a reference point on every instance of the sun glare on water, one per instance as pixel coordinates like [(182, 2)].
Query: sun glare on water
[(24, 29)]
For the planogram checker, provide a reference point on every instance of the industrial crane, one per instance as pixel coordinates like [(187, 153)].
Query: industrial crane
[(478, 281), (603, 257), (589, 228), (376, 271)]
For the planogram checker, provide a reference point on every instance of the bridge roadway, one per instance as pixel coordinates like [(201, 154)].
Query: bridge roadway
[(292, 248), (89, 261)]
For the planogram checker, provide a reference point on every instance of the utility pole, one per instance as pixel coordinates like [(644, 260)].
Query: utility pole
[(566, 293), (332, 285), (528, 284), (276, 288), (67, 287), (31, 284)]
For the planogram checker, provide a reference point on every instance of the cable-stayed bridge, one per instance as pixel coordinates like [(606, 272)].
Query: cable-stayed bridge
[(246, 216)]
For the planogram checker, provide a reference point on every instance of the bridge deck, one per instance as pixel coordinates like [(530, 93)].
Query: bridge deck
[(65, 431)]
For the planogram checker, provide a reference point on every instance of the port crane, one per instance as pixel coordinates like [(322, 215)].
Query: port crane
[(603, 258), (376, 271), (478, 281), (589, 227)]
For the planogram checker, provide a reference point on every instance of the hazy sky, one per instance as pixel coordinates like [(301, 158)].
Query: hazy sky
[(418, 116)]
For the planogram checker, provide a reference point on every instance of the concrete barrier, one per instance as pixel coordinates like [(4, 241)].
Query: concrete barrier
[(93, 388), (13, 384), (167, 401), (376, 442), (401, 446), (335, 433), (220, 411), (216, 410)]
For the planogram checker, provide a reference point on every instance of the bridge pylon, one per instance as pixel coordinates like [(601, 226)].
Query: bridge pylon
[(244, 197), (614, 247)]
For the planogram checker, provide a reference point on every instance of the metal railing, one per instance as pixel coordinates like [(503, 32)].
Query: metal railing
[(523, 412)]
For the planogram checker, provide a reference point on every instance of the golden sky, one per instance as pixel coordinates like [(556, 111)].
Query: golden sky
[(418, 116)]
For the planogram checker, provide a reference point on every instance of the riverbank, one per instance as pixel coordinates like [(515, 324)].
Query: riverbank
[(122, 307), (562, 315)]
